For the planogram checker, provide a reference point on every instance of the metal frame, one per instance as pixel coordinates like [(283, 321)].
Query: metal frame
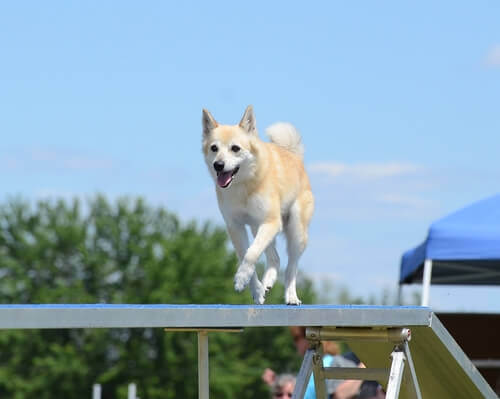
[(203, 371), (207, 316), (313, 361), (203, 355), (304, 375), (384, 325)]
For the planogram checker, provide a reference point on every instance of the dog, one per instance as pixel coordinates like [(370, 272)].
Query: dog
[(263, 185)]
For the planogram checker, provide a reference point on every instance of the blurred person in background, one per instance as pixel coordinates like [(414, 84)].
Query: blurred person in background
[(283, 386), (337, 389)]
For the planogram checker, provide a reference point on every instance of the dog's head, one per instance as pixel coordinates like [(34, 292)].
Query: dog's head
[(230, 149)]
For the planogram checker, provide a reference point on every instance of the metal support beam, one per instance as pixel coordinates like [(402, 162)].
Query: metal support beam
[(206, 316), (400, 354), (96, 391), (411, 375), (304, 375), (395, 335), (132, 391), (355, 373), (396, 374), (203, 363), (319, 380), (203, 372)]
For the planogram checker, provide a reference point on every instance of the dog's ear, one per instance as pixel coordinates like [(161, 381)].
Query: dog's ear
[(248, 122), (208, 122)]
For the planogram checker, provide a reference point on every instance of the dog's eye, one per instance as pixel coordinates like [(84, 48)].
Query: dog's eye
[(235, 148), (214, 148)]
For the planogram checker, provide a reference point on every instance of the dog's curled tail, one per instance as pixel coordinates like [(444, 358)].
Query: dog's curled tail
[(285, 135)]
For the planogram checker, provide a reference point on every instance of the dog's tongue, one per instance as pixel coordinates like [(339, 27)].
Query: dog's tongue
[(224, 178)]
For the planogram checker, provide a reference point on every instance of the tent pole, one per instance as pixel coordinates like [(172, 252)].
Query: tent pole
[(400, 294), (426, 282)]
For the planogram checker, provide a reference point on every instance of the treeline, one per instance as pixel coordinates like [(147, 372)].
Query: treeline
[(125, 252)]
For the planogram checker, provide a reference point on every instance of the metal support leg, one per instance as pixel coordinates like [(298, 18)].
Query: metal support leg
[(400, 355), (319, 380), (304, 375), (203, 391), (203, 388), (96, 391), (132, 391), (411, 374), (313, 361), (396, 373)]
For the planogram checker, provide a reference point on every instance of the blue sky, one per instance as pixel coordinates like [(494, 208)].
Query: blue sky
[(398, 106)]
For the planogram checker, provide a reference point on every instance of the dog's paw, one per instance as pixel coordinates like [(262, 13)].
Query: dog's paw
[(242, 277), (269, 278), (259, 294), (239, 284), (292, 299)]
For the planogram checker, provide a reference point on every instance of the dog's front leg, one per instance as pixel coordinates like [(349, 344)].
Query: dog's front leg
[(239, 238), (265, 235)]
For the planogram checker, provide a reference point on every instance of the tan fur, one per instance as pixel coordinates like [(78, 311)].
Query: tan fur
[(269, 191)]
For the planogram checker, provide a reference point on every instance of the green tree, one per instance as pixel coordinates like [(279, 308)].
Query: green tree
[(125, 252)]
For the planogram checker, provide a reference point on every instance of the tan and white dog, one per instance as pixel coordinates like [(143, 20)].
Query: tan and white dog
[(263, 185)]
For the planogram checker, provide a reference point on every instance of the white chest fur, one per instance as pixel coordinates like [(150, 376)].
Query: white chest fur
[(238, 205)]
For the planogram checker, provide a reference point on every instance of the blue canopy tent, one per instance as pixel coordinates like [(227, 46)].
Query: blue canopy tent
[(461, 248)]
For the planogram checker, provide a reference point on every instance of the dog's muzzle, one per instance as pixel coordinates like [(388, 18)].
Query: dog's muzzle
[(224, 179)]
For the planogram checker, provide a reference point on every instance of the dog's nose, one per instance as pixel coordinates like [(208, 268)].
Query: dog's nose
[(218, 166)]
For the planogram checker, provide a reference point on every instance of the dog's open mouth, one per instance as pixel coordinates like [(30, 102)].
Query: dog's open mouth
[(224, 179)]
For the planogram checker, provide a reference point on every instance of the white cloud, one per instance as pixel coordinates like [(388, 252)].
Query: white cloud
[(68, 160), (366, 171), (373, 190), (9, 163), (47, 193), (324, 277), (493, 57), (403, 200), (42, 159)]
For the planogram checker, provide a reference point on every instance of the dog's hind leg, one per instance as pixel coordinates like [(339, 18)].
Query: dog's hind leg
[(272, 266), (296, 237)]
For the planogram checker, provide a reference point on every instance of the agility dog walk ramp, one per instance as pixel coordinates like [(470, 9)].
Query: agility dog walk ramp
[(406, 349)]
